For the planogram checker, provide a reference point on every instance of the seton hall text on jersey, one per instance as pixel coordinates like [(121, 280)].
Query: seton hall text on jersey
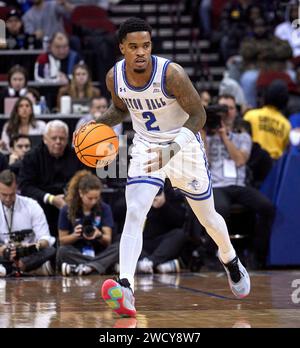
[(144, 104)]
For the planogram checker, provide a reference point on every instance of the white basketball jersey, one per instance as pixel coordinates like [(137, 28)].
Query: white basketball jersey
[(156, 116)]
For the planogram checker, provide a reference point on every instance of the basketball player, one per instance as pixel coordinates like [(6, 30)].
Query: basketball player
[(167, 116)]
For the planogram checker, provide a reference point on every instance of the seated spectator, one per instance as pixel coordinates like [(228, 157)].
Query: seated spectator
[(46, 170), (58, 64), (287, 30), (164, 236), (229, 86), (80, 87), (35, 98), (228, 153), (85, 229), (270, 128), (263, 55), (45, 18), (205, 97), (21, 121), (17, 85), (20, 144), (16, 38), (98, 106), (25, 242)]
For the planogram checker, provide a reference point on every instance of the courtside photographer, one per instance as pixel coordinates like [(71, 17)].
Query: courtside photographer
[(25, 242)]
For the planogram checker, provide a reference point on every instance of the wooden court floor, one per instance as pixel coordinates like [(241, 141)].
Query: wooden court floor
[(187, 300)]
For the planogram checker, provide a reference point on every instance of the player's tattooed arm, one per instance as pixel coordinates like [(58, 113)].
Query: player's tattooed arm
[(179, 85), (117, 111)]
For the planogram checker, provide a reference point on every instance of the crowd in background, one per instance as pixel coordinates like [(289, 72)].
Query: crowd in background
[(74, 225)]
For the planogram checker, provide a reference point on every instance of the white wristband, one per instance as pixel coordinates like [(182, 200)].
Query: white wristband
[(184, 137)]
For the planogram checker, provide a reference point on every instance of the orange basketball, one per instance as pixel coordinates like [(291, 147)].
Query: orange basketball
[(96, 145)]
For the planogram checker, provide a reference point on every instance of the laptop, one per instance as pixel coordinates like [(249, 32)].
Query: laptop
[(9, 104)]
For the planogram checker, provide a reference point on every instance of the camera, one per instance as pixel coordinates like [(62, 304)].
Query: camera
[(87, 227), (21, 251), (215, 114), (16, 238)]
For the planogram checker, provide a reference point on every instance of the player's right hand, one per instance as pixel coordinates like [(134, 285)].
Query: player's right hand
[(79, 129)]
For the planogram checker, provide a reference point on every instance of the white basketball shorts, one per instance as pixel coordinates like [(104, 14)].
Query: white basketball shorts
[(187, 170)]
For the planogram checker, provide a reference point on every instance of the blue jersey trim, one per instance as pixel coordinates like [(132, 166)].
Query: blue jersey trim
[(141, 89), (136, 178), (163, 80)]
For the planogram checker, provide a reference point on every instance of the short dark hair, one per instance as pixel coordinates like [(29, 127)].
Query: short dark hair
[(7, 177), (16, 137), (132, 25)]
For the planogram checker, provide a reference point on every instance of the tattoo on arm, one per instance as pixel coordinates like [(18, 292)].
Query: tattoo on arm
[(179, 85), (112, 116), (118, 109)]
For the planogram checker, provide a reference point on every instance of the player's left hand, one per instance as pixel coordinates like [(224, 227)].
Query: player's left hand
[(161, 158)]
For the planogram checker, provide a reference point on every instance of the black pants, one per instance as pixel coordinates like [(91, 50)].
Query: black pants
[(32, 261), (254, 200), (101, 262), (165, 247)]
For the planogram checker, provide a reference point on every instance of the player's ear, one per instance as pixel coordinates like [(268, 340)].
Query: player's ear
[(121, 46)]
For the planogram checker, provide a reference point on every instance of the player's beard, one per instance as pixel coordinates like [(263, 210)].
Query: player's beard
[(139, 71)]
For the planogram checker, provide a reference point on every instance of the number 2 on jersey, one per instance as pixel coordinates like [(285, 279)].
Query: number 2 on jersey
[(151, 119)]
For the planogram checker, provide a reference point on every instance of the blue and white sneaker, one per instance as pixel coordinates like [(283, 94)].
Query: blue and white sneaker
[(238, 278)]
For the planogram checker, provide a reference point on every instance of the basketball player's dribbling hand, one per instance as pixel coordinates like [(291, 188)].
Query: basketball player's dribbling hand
[(161, 158), (79, 129)]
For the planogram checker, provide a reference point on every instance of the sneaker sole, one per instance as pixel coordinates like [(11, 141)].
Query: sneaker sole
[(238, 295), (112, 294)]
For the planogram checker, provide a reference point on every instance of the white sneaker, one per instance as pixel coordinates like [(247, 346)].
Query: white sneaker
[(82, 269), (145, 266), (238, 278), (67, 269), (171, 266), (2, 271)]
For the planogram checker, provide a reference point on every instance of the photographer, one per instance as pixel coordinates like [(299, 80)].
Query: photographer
[(25, 242), (85, 229), (228, 153)]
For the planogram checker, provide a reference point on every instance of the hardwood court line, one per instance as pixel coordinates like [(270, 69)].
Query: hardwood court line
[(207, 293)]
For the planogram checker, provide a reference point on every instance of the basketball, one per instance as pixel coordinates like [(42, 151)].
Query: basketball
[(96, 145)]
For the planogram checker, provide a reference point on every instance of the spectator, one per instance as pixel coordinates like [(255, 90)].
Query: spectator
[(34, 96), (229, 86), (46, 170), (205, 97), (261, 51), (287, 30), (21, 121), (98, 106), (228, 153), (17, 85), (85, 229), (16, 38), (269, 126), (20, 144), (80, 87), (22, 224), (45, 18), (58, 64), (164, 236)]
